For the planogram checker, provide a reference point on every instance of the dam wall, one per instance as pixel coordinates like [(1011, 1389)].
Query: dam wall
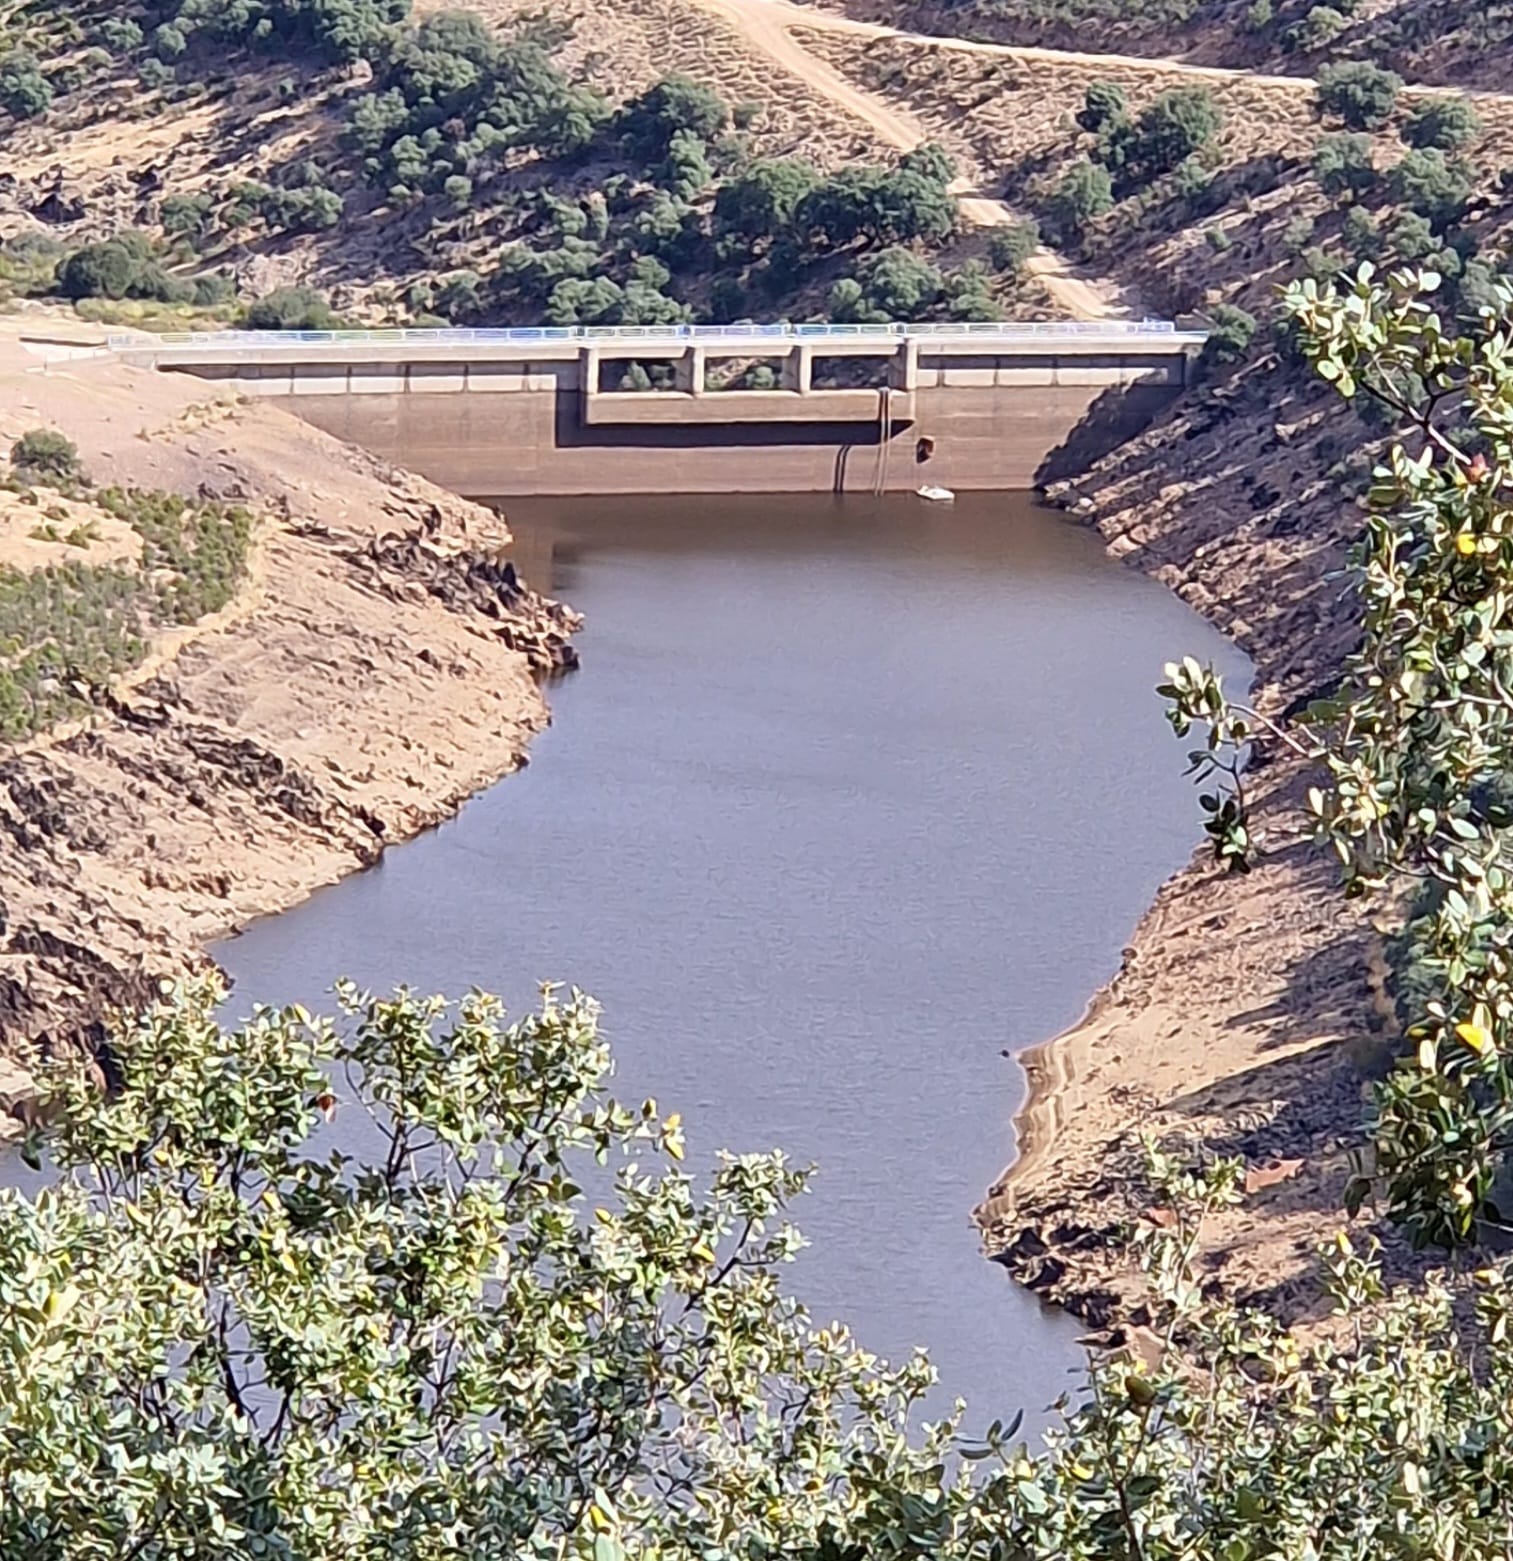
[(841, 409)]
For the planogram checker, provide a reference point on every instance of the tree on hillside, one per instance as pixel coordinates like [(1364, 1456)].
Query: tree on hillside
[(336, 30), (1084, 192), (759, 202), (875, 206), (894, 284), (1446, 123), (648, 123), (1230, 333), (48, 454), (931, 161), (219, 1341), (1344, 164), (685, 170), (1175, 125), (290, 309), (97, 271), (1104, 104), (1361, 94), (1010, 248), (1427, 182), (24, 90)]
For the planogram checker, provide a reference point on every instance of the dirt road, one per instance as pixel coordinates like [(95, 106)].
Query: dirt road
[(766, 24), (782, 14)]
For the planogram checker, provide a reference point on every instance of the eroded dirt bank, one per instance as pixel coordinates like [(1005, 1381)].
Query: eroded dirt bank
[(1247, 1014), (380, 666)]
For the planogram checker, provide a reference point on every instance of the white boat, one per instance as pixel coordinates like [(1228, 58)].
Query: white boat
[(936, 495)]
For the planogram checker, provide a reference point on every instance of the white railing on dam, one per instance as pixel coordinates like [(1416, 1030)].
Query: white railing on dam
[(1149, 333)]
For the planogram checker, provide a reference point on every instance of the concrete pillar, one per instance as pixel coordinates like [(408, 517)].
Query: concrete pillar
[(588, 370), (691, 369), (903, 373), (792, 377), (805, 368)]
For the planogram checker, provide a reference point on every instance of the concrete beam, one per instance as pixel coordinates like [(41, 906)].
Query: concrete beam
[(628, 407)]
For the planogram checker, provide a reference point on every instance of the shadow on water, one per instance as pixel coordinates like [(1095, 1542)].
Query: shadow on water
[(852, 800)]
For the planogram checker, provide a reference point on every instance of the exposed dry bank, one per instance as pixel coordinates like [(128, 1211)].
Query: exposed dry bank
[(1247, 1013), (379, 667)]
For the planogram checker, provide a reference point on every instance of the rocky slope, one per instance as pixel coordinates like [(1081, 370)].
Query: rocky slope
[(1247, 1017), (381, 665)]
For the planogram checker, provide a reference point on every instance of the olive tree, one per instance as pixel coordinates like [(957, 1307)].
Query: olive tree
[(24, 91), (1414, 747)]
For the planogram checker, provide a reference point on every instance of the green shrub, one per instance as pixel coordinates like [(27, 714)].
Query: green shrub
[(898, 285), (213, 289), (1445, 123), (1178, 123), (97, 271), (1361, 94), (120, 34), (45, 452), (24, 90), (1426, 181), (966, 294), (187, 216), (759, 202), (1103, 105), (169, 43), (1318, 29), (1083, 193), (1411, 237), (154, 74), (1230, 333), (1344, 164), (290, 309), (648, 123), (685, 169), (1009, 248), (1361, 234), (876, 206), (930, 161)]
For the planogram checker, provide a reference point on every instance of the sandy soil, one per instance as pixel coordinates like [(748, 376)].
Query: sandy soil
[(1248, 1015), (381, 666)]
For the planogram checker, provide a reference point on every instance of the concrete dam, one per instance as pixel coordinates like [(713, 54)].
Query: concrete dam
[(842, 408)]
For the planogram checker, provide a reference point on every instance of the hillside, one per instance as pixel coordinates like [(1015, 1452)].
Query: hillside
[(212, 705), (1459, 43), (495, 166)]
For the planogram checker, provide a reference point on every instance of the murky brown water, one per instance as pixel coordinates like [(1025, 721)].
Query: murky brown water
[(850, 799)]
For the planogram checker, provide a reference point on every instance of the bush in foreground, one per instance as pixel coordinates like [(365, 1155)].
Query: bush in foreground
[(218, 1341)]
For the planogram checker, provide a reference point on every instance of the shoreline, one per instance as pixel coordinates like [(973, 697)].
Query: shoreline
[(1247, 1014), (380, 665)]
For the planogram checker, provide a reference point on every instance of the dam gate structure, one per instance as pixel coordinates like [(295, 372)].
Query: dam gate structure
[(707, 409)]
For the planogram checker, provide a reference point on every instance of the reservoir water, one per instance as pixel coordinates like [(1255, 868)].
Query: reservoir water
[(852, 800)]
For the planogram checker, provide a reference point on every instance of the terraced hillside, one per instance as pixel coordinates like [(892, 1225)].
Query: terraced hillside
[(1462, 43)]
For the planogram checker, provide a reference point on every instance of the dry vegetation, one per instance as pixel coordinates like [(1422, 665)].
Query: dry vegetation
[(1460, 43), (1015, 117)]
